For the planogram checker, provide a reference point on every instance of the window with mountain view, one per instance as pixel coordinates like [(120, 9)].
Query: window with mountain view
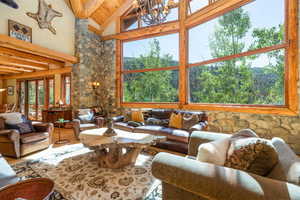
[(238, 58), (233, 55), (150, 69)]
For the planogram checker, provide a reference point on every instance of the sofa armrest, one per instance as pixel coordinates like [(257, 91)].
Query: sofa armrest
[(76, 127), (201, 126), (218, 182), (200, 137), (118, 119), (13, 137)]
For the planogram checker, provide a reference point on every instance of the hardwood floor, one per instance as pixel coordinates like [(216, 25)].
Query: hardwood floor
[(65, 134)]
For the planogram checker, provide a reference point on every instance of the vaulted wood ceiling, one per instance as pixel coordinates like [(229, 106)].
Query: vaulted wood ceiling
[(103, 12)]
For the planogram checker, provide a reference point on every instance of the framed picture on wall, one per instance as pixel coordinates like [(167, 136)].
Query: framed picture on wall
[(10, 90), (19, 31)]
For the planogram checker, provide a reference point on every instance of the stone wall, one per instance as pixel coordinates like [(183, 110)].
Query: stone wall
[(97, 64)]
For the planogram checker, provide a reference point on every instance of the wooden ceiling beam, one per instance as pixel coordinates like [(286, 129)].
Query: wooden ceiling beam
[(84, 11), (94, 30), (6, 60), (118, 13), (22, 46), (15, 68), (9, 71), (38, 73), (29, 57), (170, 27)]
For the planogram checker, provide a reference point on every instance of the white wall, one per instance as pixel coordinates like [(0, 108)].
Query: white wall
[(64, 39)]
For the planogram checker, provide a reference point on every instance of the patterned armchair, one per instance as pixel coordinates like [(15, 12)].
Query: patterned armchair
[(86, 119)]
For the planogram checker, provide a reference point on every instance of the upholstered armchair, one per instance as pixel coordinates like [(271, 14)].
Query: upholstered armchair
[(189, 179), (86, 119), (15, 144)]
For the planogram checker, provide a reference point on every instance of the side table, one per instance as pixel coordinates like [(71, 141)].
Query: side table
[(60, 123)]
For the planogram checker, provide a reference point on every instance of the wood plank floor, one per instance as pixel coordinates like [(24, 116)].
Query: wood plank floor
[(69, 135)]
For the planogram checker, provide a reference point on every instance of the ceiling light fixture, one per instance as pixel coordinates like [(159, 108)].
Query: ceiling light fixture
[(153, 12)]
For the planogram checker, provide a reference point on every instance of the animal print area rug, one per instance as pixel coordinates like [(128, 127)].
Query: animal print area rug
[(76, 174)]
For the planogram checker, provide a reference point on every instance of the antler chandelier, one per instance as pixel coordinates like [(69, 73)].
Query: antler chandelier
[(153, 12)]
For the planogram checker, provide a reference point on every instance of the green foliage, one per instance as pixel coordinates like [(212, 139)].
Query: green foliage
[(154, 86), (235, 81)]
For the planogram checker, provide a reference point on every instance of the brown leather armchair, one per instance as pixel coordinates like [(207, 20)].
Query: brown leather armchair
[(14, 144), (81, 124)]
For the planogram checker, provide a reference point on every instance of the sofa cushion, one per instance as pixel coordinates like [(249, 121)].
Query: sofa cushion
[(135, 124), (33, 137), (87, 126), (254, 155), (160, 113), (171, 133), (123, 126), (158, 122), (214, 152)]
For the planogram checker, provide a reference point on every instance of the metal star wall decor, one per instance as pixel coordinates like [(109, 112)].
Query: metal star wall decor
[(45, 15)]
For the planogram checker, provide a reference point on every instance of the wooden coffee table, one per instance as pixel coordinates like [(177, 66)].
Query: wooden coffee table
[(117, 151)]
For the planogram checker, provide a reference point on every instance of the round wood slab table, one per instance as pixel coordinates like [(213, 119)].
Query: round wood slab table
[(120, 150)]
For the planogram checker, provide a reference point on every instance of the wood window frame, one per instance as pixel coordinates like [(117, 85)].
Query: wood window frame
[(64, 90), (203, 15)]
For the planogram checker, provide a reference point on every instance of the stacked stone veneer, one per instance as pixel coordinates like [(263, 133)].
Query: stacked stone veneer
[(96, 63)]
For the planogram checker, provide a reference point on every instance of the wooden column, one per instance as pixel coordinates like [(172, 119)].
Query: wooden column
[(183, 42)]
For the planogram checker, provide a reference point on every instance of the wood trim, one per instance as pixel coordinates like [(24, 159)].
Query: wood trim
[(29, 57), (292, 75), (10, 61), (39, 73), (95, 30), (169, 27), (183, 54), (248, 53), (149, 105), (150, 70), (118, 13), (85, 10), (15, 68), (12, 43), (119, 56), (214, 10)]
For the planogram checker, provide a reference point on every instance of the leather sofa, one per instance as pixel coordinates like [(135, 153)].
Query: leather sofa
[(189, 179), (7, 174), (80, 123), (14, 144), (177, 139)]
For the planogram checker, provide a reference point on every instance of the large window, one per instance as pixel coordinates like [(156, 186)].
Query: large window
[(250, 77), (150, 72), (66, 89), (222, 55)]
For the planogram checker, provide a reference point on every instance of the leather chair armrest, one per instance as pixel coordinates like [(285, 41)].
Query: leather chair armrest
[(76, 127), (99, 121), (200, 137), (14, 137), (201, 126), (118, 119), (218, 182)]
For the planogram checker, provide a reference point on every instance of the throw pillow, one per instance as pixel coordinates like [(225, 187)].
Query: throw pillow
[(157, 122), (137, 116), (135, 124), (176, 121), (213, 152), (254, 155), (87, 118), (127, 117), (25, 127), (189, 120)]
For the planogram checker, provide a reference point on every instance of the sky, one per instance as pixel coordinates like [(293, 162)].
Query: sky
[(263, 14)]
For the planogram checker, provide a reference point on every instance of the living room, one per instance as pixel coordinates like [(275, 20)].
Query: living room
[(149, 99)]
